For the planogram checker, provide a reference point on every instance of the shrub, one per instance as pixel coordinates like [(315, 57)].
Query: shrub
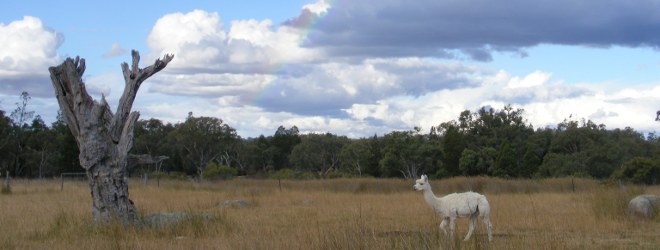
[(285, 173), (169, 175), (216, 171), (639, 170), (5, 189)]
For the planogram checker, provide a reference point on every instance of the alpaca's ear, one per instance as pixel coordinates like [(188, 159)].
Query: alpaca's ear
[(425, 178)]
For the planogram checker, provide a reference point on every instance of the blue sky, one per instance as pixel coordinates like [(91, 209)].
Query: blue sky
[(352, 68)]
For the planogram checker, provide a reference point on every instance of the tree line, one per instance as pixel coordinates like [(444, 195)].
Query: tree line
[(486, 142)]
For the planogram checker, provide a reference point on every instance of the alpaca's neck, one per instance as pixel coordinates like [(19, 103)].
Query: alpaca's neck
[(430, 197)]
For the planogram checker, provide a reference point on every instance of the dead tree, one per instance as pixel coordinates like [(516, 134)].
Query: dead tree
[(103, 137)]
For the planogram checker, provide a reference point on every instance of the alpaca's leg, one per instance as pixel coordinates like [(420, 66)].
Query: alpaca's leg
[(443, 225), (489, 227), (473, 223), (452, 227)]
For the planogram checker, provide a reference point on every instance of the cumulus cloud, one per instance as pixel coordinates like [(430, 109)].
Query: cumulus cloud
[(475, 28), (115, 50), (27, 49), (377, 70), (202, 44), (587, 101)]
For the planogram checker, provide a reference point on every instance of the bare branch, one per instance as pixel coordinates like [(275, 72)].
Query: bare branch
[(70, 91), (134, 78)]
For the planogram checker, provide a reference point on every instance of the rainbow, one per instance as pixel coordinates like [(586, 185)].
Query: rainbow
[(306, 23)]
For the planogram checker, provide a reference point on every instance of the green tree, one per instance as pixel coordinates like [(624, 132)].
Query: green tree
[(480, 162), (259, 154), (66, 158), (469, 162), (6, 143), (639, 170), (530, 163), (151, 138), (20, 117), (40, 149), (375, 148), (283, 142), (202, 139), (408, 154), (506, 165), (580, 147), (318, 153), (453, 144), (355, 156)]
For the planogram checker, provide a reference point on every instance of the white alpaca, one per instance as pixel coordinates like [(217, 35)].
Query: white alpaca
[(452, 206)]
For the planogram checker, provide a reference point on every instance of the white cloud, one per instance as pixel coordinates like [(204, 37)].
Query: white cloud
[(197, 39), (256, 77), (212, 85), (318, 8), (27, 49), (201, 44), (115, 50), (360, 98), (598, 104), (26, 46), (536, 78)]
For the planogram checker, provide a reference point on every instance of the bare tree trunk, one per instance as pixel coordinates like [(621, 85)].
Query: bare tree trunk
[(104, 138)]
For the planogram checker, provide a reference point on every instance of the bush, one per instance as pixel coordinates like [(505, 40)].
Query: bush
[(5, 189), (337, 175), (215, 171), (168, 175), (285, 173), (639, 170)]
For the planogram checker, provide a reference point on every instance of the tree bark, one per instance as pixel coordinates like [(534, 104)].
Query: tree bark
[(104, 138)]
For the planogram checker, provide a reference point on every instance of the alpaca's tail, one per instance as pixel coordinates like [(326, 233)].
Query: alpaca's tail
[(476, 211), (483, 208)]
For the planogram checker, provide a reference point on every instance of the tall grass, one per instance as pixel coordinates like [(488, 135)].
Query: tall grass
[(327, 214)]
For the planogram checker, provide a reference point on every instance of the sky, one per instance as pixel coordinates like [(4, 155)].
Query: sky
[(348, 67)]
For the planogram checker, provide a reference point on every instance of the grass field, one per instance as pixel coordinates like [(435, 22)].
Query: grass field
[(329, 214)]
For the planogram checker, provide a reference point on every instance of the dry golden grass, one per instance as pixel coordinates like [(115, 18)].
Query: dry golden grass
[(329, 214)]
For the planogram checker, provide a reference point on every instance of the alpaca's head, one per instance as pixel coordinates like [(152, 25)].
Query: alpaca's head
[(422, 183)]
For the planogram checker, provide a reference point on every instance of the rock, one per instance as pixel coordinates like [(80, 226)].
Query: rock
[(308, 202), (644, 206), (235, 204), (161, 220)]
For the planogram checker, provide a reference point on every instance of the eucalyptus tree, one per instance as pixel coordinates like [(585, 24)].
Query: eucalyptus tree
[(408, 154), (202, 140), (20, 118), (40, 149), (283, 142), (66, 158), (355, 156), (318, 153), (151, 142), (258, 154), (453, 143), (5, 148)]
